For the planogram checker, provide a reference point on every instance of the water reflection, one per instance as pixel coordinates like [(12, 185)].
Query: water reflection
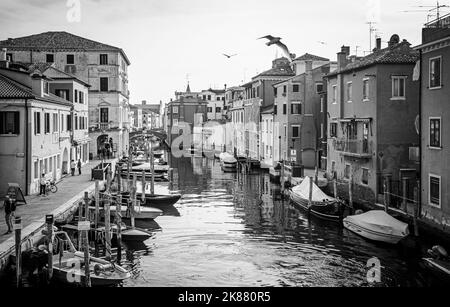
[(235, 230)]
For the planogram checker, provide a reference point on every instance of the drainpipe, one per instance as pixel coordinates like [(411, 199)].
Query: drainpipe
[(420, 133), (27, 147)]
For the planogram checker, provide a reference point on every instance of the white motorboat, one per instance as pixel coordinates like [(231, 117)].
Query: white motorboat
[(228, 163), (377, 225), (140, 213)]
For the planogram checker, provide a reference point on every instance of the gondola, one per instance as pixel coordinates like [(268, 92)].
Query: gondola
[(322, 205)]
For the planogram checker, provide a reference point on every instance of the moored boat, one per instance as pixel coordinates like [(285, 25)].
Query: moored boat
[(140, 213), (377, 225), (228, 162), (321, 205), (69, 267), (155, 200), (275, 173)]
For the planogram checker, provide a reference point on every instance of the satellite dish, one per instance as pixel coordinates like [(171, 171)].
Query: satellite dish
[(417, 124)]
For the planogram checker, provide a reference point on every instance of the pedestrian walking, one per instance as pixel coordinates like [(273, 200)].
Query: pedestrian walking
[(73, 165), (10, 208), (43, 185), (79, 166)]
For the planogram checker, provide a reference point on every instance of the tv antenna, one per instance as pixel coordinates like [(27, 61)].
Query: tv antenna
[(433, 11), (372, 30)]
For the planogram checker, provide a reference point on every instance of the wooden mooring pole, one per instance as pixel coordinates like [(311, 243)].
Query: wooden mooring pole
[(152, 163), (405, 196), (107, 204), (18, 239), (350, 190), (85, 236), (119, 228), (97, 214), (416, 211), (133, 202), (49, 220)]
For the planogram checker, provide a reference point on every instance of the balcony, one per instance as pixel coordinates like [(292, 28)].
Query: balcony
[(104, 126), (354, 148)]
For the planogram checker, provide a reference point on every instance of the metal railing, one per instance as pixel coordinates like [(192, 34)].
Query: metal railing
[(353, 147)]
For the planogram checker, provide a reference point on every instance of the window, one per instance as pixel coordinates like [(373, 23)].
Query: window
[(103, 59), (175, 110), (209, 97), (217, 98), (435, 72), (76, 96), (295, 88), (218, 109), (352, 131), (365, 176), (37, 123), (349, 91), (347, 171), (9, 57), (435, 133), (70, 59), (319, 87), (334, 94), (333, 130), (50, 164), (284, 90), (47, 123), (398, 87), (104, 118), (275, 109), (210, 109), (46, 87), (62, 123), (9, 122), (36, 169), (64, 94), (275, 91), (69, 122), (204, 97), (103, 84), (295, 132), (175, 122), (81, 95), (435, 191), (284, 109), (55, 122), (50, 58), (365, 89), (296, 108), (76, 122)]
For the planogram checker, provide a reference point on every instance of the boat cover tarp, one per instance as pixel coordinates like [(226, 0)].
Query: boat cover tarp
[(225, 156), (318, 195), (380, 221)]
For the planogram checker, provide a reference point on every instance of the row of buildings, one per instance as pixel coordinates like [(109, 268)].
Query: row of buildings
[(62, 98), (376, 122)]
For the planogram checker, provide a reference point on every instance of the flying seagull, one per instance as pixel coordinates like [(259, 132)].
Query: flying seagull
[(277, 41), (229, 56)]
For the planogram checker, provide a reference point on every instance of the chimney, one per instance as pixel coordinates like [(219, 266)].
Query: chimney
[(144, 102), (342, 57), (37, 84), (4, 58), (378, 43), (308, 66)]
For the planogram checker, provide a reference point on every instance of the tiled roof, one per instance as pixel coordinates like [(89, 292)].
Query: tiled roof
[(310, 57), (10, 89), (401, 53), (285, 71), (57, 40)]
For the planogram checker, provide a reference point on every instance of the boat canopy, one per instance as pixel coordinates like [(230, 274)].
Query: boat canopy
[(381, 222), (317, 194)]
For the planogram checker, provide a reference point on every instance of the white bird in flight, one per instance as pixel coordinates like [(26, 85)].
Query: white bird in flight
[(277, 41)]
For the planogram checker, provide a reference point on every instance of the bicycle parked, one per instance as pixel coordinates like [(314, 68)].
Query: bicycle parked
[(51, 186)]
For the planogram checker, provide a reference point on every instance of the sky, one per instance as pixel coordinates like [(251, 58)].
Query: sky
[(172, 41)]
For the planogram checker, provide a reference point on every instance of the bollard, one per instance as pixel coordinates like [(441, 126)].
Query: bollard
[(18, 239), (49, 220)]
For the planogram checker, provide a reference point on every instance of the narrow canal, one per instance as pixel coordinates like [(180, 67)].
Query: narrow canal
[(234, 230)]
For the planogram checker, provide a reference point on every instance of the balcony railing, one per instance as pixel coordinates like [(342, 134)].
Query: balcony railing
[(104, 126), (354, 148)]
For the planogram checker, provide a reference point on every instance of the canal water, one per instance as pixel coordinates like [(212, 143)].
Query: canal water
[(235, 230)]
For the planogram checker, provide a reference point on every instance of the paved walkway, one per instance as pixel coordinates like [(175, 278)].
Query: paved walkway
[(38, 206)]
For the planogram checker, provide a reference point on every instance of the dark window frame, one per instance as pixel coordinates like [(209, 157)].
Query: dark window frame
[(4, 122)]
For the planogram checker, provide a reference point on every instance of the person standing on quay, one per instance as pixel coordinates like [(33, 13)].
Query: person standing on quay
[(10, 208), (79, 167), (73, 165), (43, 185)]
